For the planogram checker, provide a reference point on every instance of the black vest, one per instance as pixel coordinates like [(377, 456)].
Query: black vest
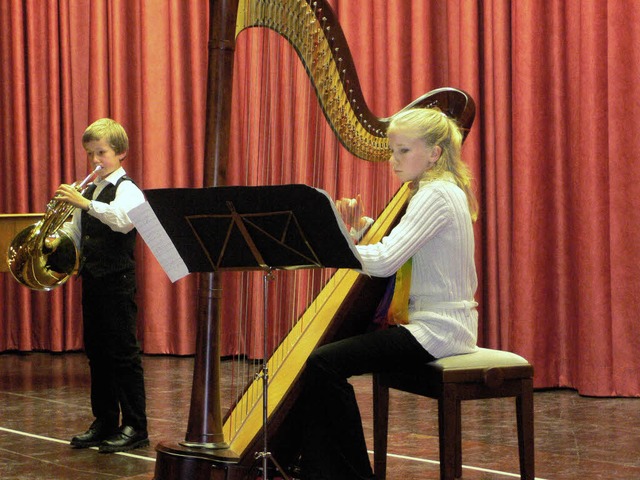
[(103, 251)]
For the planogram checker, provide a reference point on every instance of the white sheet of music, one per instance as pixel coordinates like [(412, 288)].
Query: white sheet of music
[(156, 238)]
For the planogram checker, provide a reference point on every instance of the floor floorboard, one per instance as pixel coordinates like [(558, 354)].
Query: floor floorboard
[(44, 401)]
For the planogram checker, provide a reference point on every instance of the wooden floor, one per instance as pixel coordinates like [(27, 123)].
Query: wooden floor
[(44, 401)]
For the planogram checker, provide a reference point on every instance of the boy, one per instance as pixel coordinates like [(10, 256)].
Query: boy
[(105, 236)]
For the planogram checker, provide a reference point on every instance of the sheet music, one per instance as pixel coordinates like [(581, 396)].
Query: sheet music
[(156, 238)]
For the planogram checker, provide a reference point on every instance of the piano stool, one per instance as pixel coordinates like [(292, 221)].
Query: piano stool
[(480, 375)]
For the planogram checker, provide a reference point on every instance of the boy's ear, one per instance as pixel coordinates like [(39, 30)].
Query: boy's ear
[(123, 155)]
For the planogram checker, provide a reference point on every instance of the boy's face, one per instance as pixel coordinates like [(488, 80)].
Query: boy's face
[(99, 152)]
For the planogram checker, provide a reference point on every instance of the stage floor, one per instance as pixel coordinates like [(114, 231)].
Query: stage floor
[(44, 402)]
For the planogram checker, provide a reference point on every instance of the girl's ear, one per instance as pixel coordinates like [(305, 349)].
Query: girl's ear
[(435, 153)]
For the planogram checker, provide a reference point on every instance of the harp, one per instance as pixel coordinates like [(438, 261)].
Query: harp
[(225, 448)]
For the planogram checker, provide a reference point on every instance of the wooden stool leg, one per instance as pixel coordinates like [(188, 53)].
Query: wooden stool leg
[(458, 438), (448, 411), (524, 413), (380, 427)]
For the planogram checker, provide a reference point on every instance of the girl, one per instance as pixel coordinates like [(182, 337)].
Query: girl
[(433, 246)]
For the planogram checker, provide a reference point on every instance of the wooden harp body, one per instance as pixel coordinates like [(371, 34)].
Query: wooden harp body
[(225, 448)]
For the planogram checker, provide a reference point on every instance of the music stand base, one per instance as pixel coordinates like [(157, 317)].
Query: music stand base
[(266, 457)]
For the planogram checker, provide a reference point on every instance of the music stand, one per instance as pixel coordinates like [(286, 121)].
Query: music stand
[(245, 228)]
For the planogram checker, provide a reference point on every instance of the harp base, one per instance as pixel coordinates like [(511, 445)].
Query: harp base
[(208, 445), (178, 462)]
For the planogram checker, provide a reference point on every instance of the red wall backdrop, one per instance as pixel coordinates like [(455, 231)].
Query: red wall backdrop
[(553, 150)]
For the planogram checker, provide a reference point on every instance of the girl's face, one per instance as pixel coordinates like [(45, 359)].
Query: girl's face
[(99, 152), (410, 156)]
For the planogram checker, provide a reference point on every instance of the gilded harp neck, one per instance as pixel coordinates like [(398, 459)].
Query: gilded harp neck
[(314, 32), (311, 28)]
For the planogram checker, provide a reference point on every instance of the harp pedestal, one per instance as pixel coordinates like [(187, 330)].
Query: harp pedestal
[(175, 461)]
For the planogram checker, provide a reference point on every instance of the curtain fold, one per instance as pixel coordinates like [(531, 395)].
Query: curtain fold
[(623, 64), (552, 151)]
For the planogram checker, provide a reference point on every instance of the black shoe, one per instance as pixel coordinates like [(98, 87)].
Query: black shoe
[(93, 437), (126, 439)]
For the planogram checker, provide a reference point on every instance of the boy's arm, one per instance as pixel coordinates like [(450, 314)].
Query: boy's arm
[(114, 214)]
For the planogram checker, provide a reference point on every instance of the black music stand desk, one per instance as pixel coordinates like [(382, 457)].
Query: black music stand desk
[(243, 228)]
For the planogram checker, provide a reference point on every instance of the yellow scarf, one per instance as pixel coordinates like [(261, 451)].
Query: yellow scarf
[(398, 313)]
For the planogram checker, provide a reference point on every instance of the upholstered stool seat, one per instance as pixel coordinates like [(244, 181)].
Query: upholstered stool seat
[(482, 374)]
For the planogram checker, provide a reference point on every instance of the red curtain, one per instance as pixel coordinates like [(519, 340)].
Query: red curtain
[(552, 152)]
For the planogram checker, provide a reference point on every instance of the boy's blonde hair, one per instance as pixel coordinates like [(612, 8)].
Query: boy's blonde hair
[(437, 129), (109, 130)]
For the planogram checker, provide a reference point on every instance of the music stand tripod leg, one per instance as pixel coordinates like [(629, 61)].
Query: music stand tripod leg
[(265, 454)]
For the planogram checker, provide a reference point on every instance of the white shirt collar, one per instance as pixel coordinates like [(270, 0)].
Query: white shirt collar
[(112, 178)]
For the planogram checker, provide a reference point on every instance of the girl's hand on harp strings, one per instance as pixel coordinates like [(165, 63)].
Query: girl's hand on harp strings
[(352, 212)]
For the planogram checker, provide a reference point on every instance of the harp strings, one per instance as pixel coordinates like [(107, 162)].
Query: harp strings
[(279, 100), (285, 139)]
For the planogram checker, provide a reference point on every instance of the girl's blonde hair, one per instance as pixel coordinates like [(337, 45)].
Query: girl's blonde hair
[(110, 131), (437, 129)]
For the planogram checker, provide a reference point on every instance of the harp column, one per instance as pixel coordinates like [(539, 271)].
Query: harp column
[(205, 421), (204, 437)]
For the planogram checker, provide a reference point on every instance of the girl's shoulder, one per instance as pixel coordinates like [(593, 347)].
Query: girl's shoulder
[(442, 195), (445, 183)]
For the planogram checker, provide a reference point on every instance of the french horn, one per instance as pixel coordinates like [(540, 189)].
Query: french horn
[(31, 262)]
